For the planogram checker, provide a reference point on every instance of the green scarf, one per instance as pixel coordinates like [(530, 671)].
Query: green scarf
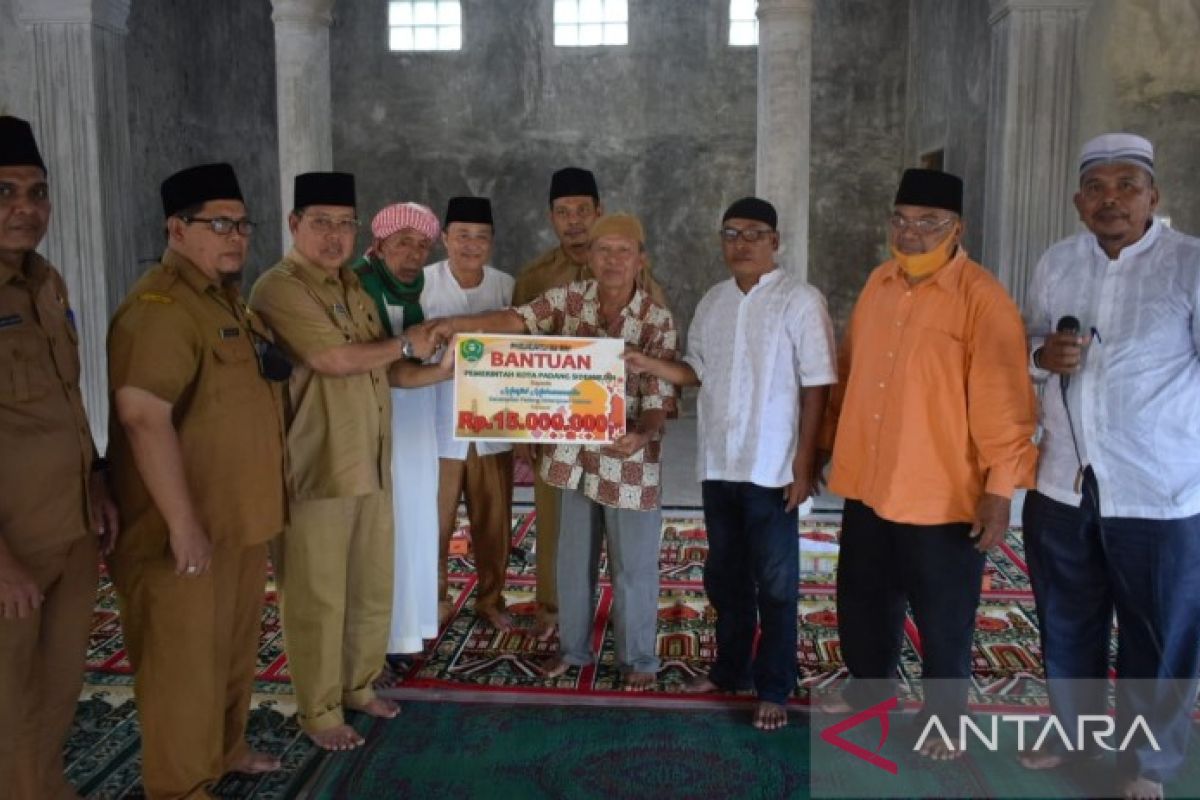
[(379, 282)]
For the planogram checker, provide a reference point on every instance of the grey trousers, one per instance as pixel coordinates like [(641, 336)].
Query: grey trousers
[(633, 542)]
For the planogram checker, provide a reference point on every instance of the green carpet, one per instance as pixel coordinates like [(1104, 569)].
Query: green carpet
[(599, 753), (463, 751), (980, 773)]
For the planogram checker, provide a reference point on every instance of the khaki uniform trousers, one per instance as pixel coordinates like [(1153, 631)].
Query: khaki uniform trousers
[(41, 671), (193, 643), (335, 564), (546, 500), (485, 483)]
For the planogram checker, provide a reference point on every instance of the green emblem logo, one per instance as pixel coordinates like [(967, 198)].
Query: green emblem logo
[(470, 349)]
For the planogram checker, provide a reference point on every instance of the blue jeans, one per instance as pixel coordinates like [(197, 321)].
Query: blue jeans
[(751, 577), (1083, 568)]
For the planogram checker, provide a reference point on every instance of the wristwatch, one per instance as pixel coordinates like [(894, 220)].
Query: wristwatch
[(406, 347)]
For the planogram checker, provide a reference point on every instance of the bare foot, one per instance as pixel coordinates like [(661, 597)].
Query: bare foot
[(1040, 761), (380, 707), (497, 619), (638, 681), (1143, 789), (256, 763), (769, 716), (545, 626), (701, 684), (342, 737), (554, 668), (939, 750), (834, 703)]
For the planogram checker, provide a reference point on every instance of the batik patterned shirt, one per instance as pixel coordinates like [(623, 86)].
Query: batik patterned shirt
[(574, 310)]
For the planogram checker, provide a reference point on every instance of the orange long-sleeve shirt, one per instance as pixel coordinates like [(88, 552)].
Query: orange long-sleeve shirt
[(934, 403)]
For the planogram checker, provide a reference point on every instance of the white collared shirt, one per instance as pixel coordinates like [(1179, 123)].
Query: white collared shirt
[(1135, 403), (443, 297), (753, 352)]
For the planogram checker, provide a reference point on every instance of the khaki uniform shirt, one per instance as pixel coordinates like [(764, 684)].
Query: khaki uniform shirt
[(554, 269), (45, 443), (339, 427), (188, 341)]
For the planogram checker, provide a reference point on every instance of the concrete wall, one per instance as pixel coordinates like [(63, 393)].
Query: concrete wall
[(202, 88), (859, 79), (1141, 73), (16, 64), (947, 104), (667, 123)]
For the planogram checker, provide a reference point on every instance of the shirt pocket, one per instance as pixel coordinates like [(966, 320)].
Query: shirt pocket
[(938, 355), (235, 370), (24, 366)]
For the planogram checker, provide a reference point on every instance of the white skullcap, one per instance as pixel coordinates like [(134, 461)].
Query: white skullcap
[(1117, 148)]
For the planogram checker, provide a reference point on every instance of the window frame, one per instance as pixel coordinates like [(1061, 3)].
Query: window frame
[(730, 22), (413, 27), (555, 25)]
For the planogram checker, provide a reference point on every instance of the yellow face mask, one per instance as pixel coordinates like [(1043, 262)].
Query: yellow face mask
[(918, 265)]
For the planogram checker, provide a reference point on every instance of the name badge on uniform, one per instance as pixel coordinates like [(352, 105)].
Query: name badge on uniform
[(10, 320), (338, 308), (229, 333)]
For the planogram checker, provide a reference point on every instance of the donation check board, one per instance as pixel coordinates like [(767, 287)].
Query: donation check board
[(538, 389)]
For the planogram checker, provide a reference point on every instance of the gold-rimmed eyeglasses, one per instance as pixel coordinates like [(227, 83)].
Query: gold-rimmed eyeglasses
[(922, 225)]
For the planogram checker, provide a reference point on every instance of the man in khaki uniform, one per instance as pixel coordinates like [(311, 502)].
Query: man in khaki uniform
[(196, 442), (574, 206), (335, 558), (51, 498)]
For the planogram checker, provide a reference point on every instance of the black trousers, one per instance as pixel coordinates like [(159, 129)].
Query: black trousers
[(885, 566)]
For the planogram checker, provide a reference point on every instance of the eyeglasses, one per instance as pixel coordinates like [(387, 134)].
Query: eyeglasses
[(922, 225), (223, 226), (750, 235), (323, 224)]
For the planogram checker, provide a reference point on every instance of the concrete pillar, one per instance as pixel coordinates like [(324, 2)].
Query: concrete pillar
[(303, 97), (82, 121), (784, 120), (1032, 120)]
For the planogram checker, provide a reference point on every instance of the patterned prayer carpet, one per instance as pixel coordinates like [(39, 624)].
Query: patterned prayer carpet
[(471, 656), (103, 754), (470, 659)]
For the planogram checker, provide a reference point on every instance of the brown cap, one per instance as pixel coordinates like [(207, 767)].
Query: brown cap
[(626, 225)]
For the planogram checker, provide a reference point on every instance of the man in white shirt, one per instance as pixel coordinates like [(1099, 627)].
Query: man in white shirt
[(1114, 314), (761, 348), (478, 472)]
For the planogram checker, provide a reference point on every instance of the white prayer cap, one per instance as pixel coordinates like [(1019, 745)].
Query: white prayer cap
[(1117, 148)]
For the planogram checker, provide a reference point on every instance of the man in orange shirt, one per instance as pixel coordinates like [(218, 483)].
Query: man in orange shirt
[(935, 433)]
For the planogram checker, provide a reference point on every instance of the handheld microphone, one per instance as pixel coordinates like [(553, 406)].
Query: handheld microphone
[(1067, 324)]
